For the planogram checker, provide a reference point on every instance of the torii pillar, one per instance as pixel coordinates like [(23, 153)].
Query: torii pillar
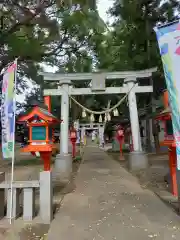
[(63, 162), (137, 159)]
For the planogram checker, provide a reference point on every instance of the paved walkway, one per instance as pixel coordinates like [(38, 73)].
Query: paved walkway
[(108, 203)]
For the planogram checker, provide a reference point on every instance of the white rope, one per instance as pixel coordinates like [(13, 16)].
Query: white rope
[(105, 111)]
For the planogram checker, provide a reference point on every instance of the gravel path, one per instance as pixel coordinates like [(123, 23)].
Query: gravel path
[(109, 203)]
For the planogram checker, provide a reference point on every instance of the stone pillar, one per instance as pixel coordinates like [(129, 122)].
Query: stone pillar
[(82, 134), (63, 163), (46, 197), (76, 126), (64, 135), (137, 159), (29, 203), (133, 114), (101, 136), (78, 137)]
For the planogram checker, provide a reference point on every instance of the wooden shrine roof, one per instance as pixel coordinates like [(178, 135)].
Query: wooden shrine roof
[(42, 113)]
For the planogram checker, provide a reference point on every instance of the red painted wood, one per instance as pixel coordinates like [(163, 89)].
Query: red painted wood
[(172, 165), (46, 156), (47, 101)]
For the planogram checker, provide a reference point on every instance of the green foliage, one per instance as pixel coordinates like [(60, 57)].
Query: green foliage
[(59, 33), (77, 159), (132, 44), (45, 31)]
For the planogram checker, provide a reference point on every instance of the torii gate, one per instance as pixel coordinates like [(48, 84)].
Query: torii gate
[(93, 126), (98, 86)]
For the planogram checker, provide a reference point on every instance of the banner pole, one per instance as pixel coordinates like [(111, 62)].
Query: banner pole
[(13, 150), (167, 24)]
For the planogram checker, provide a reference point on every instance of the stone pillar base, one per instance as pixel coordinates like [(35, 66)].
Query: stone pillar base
[(137, 161), (62, 170), (46, 197)]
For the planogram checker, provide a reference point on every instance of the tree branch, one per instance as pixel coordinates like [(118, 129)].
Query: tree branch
[(29, 15), (59, 46)]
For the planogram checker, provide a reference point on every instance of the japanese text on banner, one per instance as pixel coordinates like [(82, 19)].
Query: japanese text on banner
[(8, 111)]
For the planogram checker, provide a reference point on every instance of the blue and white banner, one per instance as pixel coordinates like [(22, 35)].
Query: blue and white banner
[(168, 37)]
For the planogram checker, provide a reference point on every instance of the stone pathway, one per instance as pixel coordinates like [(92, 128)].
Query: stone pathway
[(108, 203)]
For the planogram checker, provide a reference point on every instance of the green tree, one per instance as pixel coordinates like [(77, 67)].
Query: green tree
[(42, 31), (55, 32), (132, 44)]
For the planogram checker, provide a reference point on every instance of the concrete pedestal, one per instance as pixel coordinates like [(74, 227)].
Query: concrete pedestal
[(62, 169), (46, 197), (29, 204), (137, 161)]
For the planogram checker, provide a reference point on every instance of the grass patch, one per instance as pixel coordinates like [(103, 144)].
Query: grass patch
[(112, 151), (77, 159), (29, 162)]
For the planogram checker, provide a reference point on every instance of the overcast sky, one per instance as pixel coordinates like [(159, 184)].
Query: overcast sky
[(103, 6)]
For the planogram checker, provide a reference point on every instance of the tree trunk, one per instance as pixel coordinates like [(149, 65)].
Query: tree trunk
[(156, 142), (154, 125), (149, 100)]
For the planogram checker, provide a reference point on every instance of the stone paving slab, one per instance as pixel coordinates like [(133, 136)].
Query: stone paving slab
[(108, 203)]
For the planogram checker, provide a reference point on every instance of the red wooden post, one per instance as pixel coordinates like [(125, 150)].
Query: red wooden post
[(172, 163), (47, 102), (47, 165), (120, 148), (33, 153), (46, 156), (73, 149), (73, 138), (120, 138), (166, 99), (170, 142)]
